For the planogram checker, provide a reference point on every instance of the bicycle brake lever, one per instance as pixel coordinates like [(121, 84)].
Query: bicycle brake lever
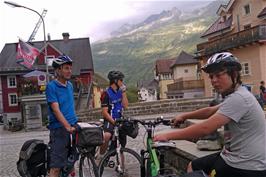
[(166, 122)]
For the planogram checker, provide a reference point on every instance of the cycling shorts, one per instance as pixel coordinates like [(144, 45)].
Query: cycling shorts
[(215, 166), (108, 127), (59, 147)]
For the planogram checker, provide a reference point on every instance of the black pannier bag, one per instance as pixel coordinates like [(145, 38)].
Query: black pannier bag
[(130, 128), (33, 159), (89, 135)]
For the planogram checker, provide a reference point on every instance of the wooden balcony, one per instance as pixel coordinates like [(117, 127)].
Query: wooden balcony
[(242, 38), (186, 85)]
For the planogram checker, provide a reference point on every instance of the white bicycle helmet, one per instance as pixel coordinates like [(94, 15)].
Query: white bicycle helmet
[(220, 61), (62, 59)]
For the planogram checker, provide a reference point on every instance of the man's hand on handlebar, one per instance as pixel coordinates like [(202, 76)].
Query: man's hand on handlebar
[(71, 129), (177, 121)]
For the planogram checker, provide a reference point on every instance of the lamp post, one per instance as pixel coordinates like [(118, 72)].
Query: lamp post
[(12, 4)]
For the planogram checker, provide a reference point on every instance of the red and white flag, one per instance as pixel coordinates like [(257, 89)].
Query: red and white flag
[(26, 54)]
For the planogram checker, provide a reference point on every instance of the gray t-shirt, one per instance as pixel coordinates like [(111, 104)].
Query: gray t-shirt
[(245, 134)]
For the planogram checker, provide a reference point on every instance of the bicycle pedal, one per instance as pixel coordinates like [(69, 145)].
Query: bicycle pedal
[(72, 174), (111, 164)]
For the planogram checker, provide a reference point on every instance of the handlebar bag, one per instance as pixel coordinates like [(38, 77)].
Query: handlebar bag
[(89, 135)]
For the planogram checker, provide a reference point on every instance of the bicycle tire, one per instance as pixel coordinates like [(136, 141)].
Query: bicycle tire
[(132, 164), (87, 167)]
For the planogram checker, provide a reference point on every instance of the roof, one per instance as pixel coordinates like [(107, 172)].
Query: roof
[(78, 50), (226, 7), (100, 80), (148, 84), (34, 73), (163, 66), (218, 26), (183, 59), (262, 13)]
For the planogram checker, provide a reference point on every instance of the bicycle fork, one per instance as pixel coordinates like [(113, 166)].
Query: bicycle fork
[(143, 155), (119, 156)]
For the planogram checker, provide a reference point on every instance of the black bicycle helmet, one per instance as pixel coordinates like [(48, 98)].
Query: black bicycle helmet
[(62, 59), (114, 76), (221, 61)]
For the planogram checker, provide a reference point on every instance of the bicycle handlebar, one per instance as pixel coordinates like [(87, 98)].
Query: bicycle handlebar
[(153, 123)]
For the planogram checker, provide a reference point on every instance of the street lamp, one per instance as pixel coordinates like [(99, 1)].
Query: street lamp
[(12, 4)]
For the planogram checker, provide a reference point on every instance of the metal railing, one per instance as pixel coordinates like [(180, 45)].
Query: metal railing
[(186, 85), (241, 38)]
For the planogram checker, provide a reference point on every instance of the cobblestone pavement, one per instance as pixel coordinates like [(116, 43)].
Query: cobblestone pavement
[(11, 142)]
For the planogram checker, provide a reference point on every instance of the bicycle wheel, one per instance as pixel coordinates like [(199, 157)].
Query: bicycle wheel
[(87, 167), (108, 166)]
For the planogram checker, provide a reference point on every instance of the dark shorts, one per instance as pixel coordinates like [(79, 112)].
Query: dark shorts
[(59, 147), (214, 164), (108, 127)]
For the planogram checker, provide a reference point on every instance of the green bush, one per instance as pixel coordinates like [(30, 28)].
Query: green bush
[(132, 94)]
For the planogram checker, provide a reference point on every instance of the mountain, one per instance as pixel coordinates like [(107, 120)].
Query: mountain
[(164, 17), (134, 48)]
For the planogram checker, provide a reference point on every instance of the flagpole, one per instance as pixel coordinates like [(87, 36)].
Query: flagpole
[(44, 34)]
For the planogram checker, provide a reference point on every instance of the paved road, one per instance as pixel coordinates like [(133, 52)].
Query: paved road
[(11, 142)]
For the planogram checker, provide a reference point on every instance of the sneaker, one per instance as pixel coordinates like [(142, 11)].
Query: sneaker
[(122, 172), (208, 145)]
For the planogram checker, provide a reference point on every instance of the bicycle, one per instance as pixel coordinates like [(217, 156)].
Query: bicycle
[(120, 161), (89, 137), (153, 155), (87, 165), (86, 148)]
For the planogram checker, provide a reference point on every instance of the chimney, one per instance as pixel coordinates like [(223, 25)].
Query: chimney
[(49, 37), (65, 37)]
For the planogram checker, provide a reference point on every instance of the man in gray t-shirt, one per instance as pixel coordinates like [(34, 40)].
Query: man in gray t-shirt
[(245, 134), (244, 152)]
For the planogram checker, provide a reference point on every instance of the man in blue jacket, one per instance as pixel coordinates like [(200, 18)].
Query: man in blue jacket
[(114, 100)]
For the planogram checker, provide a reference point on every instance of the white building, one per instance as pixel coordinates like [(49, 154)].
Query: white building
[(147, 90)]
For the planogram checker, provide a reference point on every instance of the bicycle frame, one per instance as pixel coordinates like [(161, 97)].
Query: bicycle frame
[(154, 162), (125, 160), (153, 165)]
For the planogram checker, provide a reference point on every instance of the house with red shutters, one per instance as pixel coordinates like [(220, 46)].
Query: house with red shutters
[(14, 88)]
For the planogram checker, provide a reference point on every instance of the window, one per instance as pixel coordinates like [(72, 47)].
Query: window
[(185, 70), (11, 81), (223, 19), (247, 9), (245, 69), (33, 111), (12, 99), (247, 26), (166, 76)]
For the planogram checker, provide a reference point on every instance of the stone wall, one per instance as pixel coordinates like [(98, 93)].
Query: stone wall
[(151, 108)]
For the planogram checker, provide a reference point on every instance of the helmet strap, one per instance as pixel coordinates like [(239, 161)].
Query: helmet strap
[(235, 83), (117, 85)]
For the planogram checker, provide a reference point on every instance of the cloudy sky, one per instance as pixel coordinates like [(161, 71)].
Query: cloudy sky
[(81, 18)]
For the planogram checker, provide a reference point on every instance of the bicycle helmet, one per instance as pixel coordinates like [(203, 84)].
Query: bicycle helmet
[(222, 61), (62, 59), (114, 76)]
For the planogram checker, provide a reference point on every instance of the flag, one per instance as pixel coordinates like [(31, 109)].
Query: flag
[(26, 54)]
